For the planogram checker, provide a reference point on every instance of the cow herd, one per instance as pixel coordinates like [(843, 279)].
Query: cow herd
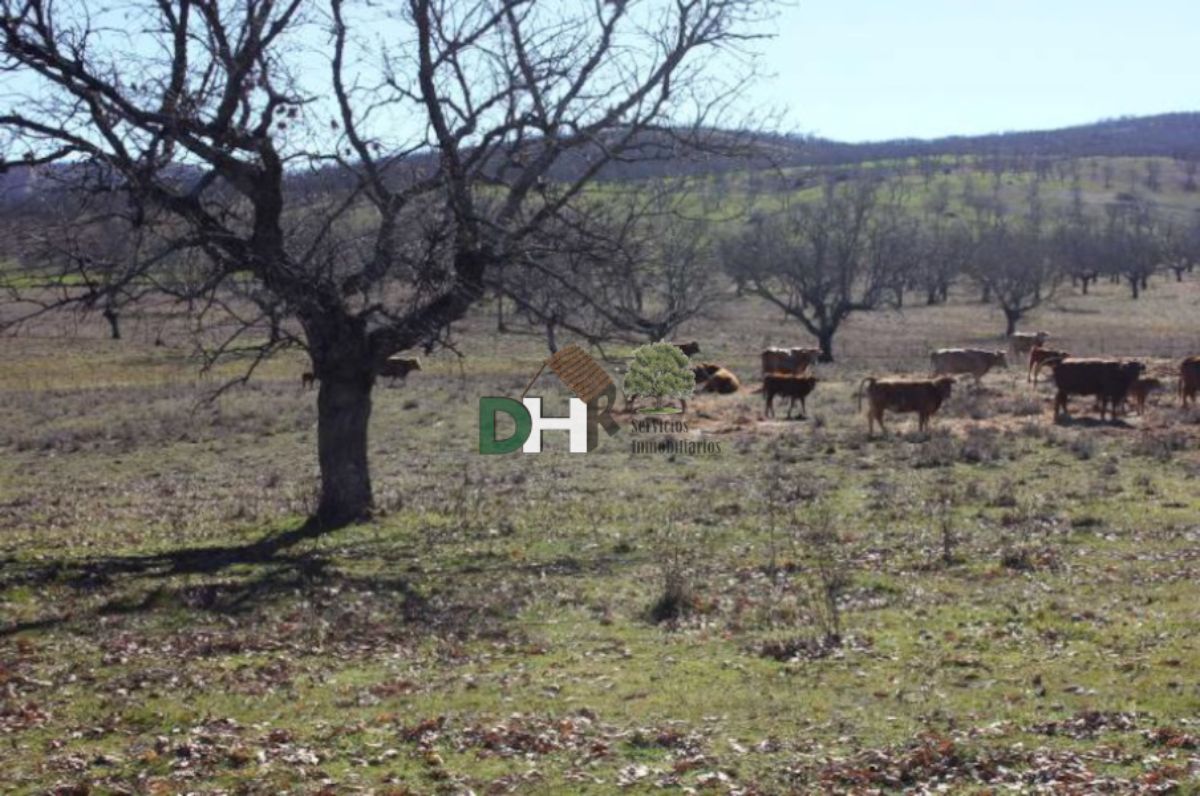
[(786, 373)]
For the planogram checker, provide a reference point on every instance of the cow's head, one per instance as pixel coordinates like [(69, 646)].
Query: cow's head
[(943, 385), (1000, 358)]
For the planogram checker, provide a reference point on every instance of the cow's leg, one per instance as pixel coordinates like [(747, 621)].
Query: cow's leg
[(770, 409), (791, 406), (803, 409)]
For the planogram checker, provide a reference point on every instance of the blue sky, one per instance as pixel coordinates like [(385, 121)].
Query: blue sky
[(872, 69)]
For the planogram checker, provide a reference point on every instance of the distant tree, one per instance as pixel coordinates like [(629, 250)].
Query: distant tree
[(1153, 175), (1132, 247), (660, 370), (1015, 265), (824, 260), (1181, 247), (1191, 165)]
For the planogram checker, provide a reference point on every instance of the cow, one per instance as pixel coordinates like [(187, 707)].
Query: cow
[(789, 360), (966, 361), (399, 367), (1022, 343), (714, 378), (307, 379), (689, 349), (1141, 389), (1039, 356), (1189, 380), (797, 388), (923, 396), (1108, 379)]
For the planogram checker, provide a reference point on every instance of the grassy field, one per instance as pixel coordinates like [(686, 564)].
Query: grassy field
[(1015, 598)]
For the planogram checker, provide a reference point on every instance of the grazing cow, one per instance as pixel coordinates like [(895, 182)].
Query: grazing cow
[(714, 378), (966, 361), (689, 349), (789, 360), (399, 367), (1039, 356), (923, 396), (1108, 379), (307, 379), (1189, 380), (1141, 389), (797, 388), (1022, 343)]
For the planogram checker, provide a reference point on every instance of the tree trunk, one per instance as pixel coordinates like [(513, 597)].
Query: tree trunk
[(114, 323), (825, 341), (985, 295), (500, 327), (343, 414), (551, 342), (1133, 286), (1010, 319)]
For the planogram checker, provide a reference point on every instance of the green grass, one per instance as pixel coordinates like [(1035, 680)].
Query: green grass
[(490, 629)]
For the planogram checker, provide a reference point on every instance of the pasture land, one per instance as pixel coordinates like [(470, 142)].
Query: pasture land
[(1015, 599)]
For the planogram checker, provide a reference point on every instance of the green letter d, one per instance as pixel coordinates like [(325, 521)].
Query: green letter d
[(488, 407)]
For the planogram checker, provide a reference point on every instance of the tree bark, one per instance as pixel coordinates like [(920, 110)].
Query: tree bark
[(343, 414), (1010, 319), (825, 342), (114, 323)]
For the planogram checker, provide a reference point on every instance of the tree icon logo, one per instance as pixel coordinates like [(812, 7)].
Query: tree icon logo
[(661, 371)]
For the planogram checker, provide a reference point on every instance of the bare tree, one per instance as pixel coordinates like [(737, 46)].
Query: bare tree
[(822, 261), (1132, 243), (365, 204)]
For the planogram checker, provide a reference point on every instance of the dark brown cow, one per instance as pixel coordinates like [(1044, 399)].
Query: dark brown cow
[(1039, 356), (1108, 379), (689, 349), (1141, 390), (307, 379), (1189, 380), (923, 396), (797, 388), (399, 367), (789, 360), (714, 378)]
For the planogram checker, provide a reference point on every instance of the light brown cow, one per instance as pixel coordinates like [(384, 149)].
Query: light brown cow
[(973, 362), (399, 367), (1141, 390), (714, 378), (797, 388), (1021, 343), (923, 396), (794, 361), (1189, 380), (1038, 357)]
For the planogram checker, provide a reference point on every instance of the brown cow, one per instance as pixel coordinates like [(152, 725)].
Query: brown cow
[(923, 396), (1108, 379), (1141, 390), (966, 361), (399, 367), (307, 379), (689, 349), (789, 360), (1022, 343), (797, 388), (1189, 380), (714, 378), (1039, 356)]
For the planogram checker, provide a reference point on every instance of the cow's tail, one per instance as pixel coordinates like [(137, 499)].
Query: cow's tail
[(863, 386)]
